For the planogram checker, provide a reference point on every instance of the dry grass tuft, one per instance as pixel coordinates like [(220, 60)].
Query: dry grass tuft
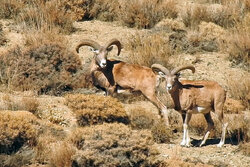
[(149, 49), (113, 145), (20, 128), (95, 109)]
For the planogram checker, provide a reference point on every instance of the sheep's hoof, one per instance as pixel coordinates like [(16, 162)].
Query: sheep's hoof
[(220, 144)]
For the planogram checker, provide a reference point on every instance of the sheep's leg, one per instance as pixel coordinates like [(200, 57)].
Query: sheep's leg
[(219, 112), (162, 108), (186, 139), (210, 125)]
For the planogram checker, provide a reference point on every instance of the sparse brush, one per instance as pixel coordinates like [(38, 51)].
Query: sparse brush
[(20, 128), (95, 109), (160, 132), (149, 49), (113, 145), (30, 104), (9, 9)]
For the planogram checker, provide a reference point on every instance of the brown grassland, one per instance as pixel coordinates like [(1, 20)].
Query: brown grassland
[(52, 116)]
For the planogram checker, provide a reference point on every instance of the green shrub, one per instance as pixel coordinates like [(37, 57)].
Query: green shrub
[(94, 109), (48, 69), (113, 145)]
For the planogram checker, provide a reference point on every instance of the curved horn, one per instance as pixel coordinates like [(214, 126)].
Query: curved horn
[(116, 42), (161, 68), (88, 42), (178, 69)]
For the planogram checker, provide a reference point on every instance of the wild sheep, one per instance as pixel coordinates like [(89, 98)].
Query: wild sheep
[(117, 74), (191, 97)]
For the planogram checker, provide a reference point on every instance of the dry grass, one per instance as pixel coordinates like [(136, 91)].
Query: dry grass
[(113, 145), (149, 49), (95, 109)]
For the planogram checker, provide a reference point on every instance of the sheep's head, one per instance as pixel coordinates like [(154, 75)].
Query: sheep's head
[(171, 77), (100, 52)]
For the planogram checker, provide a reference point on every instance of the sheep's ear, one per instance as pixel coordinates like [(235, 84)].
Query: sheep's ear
[(94, 50), (161, 74), (109, 48)]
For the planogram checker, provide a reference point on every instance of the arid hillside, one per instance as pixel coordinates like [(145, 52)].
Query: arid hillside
[(51, 115)]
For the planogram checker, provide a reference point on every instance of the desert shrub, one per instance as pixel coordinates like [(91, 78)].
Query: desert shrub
[(113, 145), (160, 132), (48, 69), (20, 128), (149, 49), (95, 109), (170, 25), (146, 13), (141, 119)]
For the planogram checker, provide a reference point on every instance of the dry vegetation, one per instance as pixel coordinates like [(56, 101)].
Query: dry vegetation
[(93, 130)]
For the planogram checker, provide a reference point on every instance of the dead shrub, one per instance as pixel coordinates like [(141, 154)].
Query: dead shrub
[(141, 119), (20, 128), (113, 145), (95, 109), (146, 13), (233, 106), (149, 49), (47, 69), (160, 132)]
